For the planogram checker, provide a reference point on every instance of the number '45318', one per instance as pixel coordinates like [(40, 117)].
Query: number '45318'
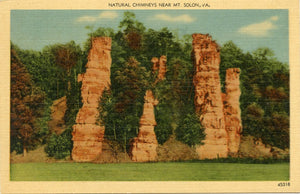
[(284, 184)]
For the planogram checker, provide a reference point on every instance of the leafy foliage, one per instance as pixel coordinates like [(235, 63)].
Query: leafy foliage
[(265, 93), (164, 114), (189, 130), (26, 107), (129, 84), (60, 146)]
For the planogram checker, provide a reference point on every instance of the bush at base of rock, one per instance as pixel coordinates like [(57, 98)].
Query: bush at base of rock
[(59, 146), (189, 130)]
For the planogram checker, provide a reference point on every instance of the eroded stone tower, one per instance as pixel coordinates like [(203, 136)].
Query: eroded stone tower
[(88, 133), (143, 147), (208, 99), (232, 111)]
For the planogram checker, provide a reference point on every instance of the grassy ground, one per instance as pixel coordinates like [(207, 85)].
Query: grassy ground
[(169, 171)]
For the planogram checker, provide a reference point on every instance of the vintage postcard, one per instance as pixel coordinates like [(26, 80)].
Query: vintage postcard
[(149, 96)]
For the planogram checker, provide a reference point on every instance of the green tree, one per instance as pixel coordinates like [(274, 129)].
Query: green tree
[(164, 113), (129, 84), (189, 130), (70, 58), (277, 130), (133, 31), (108, 115), (253, 122), (26, 106), (60, 146), (265, 92), (231, 56), (66, 56), (44, 73)]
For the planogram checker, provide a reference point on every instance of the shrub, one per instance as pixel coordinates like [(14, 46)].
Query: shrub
[(60, 146), (189, 130)]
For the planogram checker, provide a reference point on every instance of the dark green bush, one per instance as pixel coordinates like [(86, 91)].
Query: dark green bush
[(60, 146), (189, 130)]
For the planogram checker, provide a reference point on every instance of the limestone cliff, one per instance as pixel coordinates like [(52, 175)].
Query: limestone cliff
[(87, 132), (208, 99)]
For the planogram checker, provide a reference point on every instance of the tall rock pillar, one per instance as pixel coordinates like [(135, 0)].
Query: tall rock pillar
[(143, 147), (88, 133), (232, 111), (208, 98)]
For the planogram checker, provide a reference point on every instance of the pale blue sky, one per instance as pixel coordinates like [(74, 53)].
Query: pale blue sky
[(249, 29)]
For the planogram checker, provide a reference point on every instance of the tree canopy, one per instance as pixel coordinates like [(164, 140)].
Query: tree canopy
[(26, 106)]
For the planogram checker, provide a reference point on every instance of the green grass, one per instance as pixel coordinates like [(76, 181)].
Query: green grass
[(169, 171)]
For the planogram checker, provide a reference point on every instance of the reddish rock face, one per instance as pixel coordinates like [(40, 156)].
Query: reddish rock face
[(143, 147), (58, 110), (162, 68), (208, 98), (155, 62), (160, 65), (87, 132), (232, 111)]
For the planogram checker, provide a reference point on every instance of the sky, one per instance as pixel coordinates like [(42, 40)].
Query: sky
[(248, 29)]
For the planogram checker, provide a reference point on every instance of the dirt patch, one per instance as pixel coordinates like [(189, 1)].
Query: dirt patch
[(38, 155), (173, 150), (252, 148), (112, 153)]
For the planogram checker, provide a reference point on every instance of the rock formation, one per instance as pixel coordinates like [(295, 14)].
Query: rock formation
[(160, 65), (143, 147), (58, 110), (88, 132), (208, 99), (232, 111), (155, 66)]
